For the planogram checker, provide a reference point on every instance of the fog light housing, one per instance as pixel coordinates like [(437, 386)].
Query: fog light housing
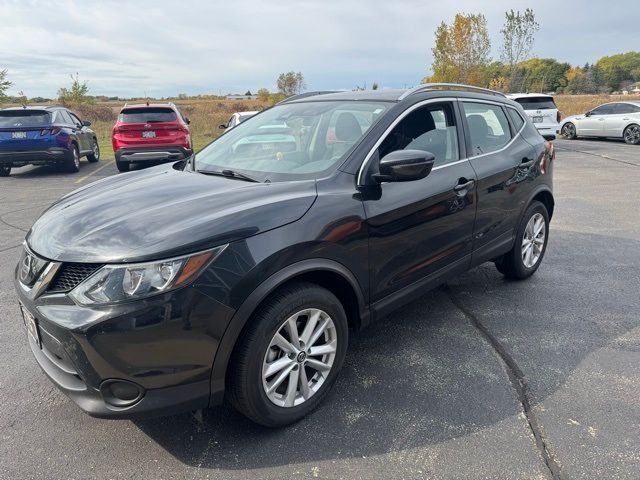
[(121, 393)]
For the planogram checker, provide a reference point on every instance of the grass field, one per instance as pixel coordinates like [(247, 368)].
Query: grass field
[(207, 114)]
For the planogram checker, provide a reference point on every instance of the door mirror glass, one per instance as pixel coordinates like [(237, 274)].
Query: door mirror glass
[(86, 123), (404, 166), (186, 120), (222, 126)]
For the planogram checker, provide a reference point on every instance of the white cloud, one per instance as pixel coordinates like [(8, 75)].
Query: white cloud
[(164, 47)]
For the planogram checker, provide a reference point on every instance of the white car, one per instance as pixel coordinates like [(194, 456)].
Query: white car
[(236, 119), (542, 110), (617, 119)]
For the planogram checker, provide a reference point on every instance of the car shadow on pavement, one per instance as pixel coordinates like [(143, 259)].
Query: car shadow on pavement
[(425, 375)]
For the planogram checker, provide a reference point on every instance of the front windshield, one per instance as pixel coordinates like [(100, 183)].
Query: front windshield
[(291, 141)]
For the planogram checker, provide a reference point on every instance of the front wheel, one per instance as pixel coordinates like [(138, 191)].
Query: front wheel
[(531, 243), (94, 156), (5, 170), (569, 131), (289, 357), (632, 135)]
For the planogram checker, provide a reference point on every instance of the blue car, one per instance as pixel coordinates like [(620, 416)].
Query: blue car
[(44, 136)]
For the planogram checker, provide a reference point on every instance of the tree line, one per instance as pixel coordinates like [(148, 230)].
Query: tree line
[(462, 54)]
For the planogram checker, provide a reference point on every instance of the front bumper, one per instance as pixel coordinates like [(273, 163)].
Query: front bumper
[(152, 154), (164, 345), (33, 157)]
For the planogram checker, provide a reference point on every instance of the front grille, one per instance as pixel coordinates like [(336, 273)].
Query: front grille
[(70, 275)]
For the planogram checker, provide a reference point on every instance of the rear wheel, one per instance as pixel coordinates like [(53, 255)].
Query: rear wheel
[(94, 156), (632, 134), (72, 163), (5, 170), (569, 131), (290, 356), (531, 243), (122, 166)]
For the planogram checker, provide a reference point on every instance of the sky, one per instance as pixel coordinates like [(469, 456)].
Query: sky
[(165, 47)]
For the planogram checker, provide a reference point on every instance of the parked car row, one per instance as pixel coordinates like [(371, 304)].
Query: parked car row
[(611, 120)]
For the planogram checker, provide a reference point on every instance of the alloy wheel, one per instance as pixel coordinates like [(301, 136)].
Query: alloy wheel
[(632, 134), (96, 150), (569, 130), (299, 358), (533, 240), (76, 158)]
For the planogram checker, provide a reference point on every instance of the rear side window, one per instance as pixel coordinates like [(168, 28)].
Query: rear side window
[(147, 115), (431, 128), (622, 108), (536, 103), (488, 127), (516, 119), (24, 118)]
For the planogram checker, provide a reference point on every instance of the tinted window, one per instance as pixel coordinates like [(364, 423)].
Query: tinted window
[(66, 118), (431, 128), (147, 115), (488, 127), (24, 118), (536, 103), (602, 110), (74, 119), (516, 119), (623, 108)]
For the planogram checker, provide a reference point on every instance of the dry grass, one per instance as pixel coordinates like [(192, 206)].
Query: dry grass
[(575, 104)]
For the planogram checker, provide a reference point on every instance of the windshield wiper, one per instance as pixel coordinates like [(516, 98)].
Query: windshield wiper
[(229, 173)]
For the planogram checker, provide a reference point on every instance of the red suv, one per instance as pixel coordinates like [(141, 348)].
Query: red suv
[(151, 132)]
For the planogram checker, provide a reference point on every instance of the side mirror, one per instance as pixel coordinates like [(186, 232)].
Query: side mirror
[(186, 120), (405, 166), (86, 123), (222, 126), (588, 114)]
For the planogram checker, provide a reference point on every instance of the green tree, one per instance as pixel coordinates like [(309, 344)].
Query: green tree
[(4, 84), (461, 50), (542, 74), (518, 35), (291, 83), (75, 95), (616, 69)]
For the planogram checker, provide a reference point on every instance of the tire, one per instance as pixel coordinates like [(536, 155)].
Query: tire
[(517, 264), (248, 389), (72, 163), (631, 134), (122, 166), (5, 170), (569, 131), (94, 156)]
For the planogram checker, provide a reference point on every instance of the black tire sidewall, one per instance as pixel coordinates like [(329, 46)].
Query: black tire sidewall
[(71, 164), (574, 131), (520, 269), (5, 170), (624, 136), (91, 157), (122, 166), (269, 321)]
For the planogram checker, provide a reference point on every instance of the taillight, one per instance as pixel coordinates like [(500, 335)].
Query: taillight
[(558, 117), (52, 131)]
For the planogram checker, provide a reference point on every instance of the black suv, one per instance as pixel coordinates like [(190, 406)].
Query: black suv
[(238, 273)]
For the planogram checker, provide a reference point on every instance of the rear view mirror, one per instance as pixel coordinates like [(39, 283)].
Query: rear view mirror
[(405, 166)]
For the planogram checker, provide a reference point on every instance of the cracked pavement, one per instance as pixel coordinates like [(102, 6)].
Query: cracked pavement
[(482, 378)]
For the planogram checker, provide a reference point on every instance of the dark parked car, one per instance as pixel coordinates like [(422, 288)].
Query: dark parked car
[(44, 136), (240, 271)]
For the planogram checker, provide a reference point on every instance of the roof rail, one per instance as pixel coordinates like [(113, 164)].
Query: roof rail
[(449, 86), (307, 94)]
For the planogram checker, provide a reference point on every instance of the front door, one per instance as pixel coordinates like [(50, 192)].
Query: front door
[(593, 125), (422, 228)]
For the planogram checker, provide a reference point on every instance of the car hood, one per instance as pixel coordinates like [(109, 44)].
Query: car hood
[(163, 212)]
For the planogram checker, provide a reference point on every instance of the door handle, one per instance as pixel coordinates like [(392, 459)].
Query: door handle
[(527, 162), (461, 187), (601, 119)]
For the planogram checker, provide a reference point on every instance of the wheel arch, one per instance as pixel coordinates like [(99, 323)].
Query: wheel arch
[(329, 274)]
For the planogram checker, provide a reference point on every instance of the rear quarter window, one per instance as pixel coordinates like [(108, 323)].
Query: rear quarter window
[(537, 103), (516, 118), (24, 118), (147, 115)]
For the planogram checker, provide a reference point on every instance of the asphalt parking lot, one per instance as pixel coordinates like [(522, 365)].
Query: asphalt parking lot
[(482, 378)]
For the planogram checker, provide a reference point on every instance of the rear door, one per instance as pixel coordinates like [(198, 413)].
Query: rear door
[(501, 159), (615, 122), (421, 228), (20, 129), (84, 140), (148, 126)]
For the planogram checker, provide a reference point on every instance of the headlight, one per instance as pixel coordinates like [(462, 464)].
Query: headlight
[(117, 283)]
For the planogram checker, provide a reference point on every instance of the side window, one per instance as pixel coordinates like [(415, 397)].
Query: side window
[(65, 117), (488, 127), (516, 118), (622, 108), (602, 110), (635, 108), (74, 119), (431, 128)]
